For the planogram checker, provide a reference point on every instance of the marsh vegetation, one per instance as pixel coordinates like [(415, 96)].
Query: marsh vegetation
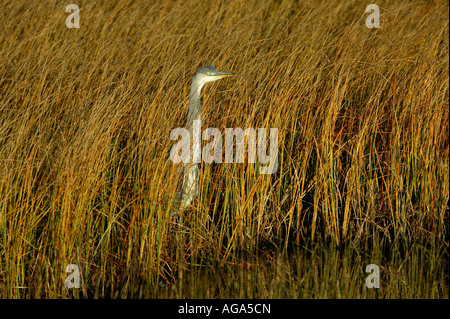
[(363, 163)]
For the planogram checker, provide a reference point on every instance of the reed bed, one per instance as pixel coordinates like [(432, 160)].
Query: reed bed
[(85, 119)]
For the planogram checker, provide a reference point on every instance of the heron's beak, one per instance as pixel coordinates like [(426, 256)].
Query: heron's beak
[(220, 75)]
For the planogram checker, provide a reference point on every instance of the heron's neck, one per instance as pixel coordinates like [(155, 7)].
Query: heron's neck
[(194, 103)]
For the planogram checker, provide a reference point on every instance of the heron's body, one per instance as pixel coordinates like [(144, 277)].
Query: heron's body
[(203, 75)]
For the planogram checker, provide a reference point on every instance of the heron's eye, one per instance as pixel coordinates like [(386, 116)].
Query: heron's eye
[(207, 73)]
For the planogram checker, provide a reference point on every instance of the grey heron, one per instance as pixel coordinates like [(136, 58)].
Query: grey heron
[(189, 188)]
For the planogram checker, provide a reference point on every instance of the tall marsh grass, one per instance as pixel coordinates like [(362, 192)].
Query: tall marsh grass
[(86, 114)]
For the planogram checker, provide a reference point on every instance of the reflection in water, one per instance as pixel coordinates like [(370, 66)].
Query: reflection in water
[(315, 273)]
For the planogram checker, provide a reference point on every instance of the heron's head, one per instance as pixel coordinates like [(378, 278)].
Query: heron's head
[(209, 74)]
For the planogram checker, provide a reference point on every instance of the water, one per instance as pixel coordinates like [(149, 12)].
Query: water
[(318, 272)]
